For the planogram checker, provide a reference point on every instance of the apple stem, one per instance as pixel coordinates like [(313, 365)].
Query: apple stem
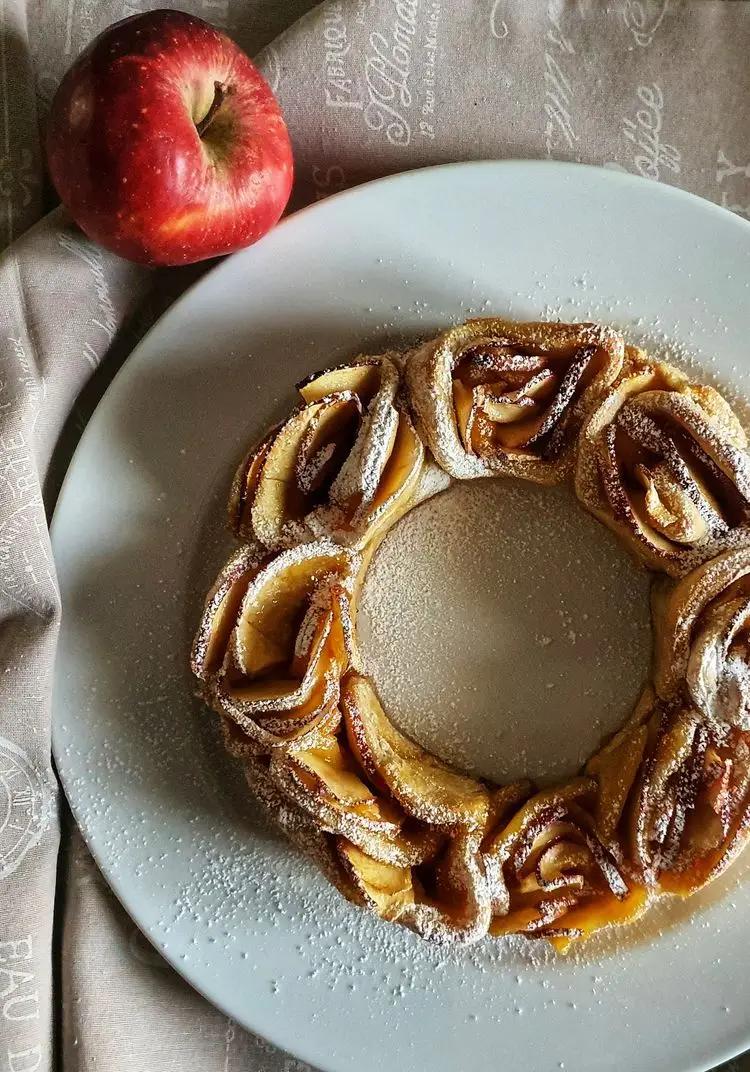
[(220, 92)]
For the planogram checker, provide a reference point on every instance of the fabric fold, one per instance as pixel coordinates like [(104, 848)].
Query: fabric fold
[(68, 305)]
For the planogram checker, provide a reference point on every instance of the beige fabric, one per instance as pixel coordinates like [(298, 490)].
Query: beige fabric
[(656, 87)]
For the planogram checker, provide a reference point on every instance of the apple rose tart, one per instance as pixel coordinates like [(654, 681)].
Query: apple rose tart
[(702, 627), (275, 639), (663, 806), (344, 464), (663, 462), (496, 397), (674, 794)]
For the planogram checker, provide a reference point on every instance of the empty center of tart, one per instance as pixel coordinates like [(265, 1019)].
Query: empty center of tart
[(506, 630)]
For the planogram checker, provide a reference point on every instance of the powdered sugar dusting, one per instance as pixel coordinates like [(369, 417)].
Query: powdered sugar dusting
[(489, 621)]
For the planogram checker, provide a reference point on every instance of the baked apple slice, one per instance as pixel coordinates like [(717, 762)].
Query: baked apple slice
[(424, 786), (325, 782), (385, 888), (220, 612)]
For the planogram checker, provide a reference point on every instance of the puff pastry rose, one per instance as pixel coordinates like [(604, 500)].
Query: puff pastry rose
[(344, 464), (404, 828), (552, 876), (449, 899), (702, 627), (498, 397), (674, 795), (275, 639), (663, 462)]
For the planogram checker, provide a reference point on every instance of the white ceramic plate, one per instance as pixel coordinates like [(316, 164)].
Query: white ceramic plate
[(532, 645)]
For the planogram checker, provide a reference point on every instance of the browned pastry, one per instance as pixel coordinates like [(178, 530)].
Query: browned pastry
[(675, 795), (427, 788), (343, 464), (663, 462), (662, 807), (498, 397)]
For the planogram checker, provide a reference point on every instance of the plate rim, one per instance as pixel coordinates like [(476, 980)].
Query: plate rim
[(98, 418)]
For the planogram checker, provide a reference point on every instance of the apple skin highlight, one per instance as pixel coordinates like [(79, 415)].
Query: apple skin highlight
[(166, 144)]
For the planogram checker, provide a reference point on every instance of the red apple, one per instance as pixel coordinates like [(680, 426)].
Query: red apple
[(165, 143)]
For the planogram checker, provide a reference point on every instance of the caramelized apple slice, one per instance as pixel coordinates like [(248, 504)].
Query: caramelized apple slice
[(504, 800), (245, 485), (615, 770), (563, 918), (361, 378), (312, 434), (330, 771), (532, 913), (596, 914), (690, 809), (356, 484), (376, 814), (398, 482), (388, 890), (326, 781), (702, 639), (220, 613), (305, 725), (665, 790), (551, 876), (424, 786), (699, 870), (534, 816)]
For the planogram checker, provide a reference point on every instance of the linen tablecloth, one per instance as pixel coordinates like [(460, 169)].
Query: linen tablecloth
[(660, 88)]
